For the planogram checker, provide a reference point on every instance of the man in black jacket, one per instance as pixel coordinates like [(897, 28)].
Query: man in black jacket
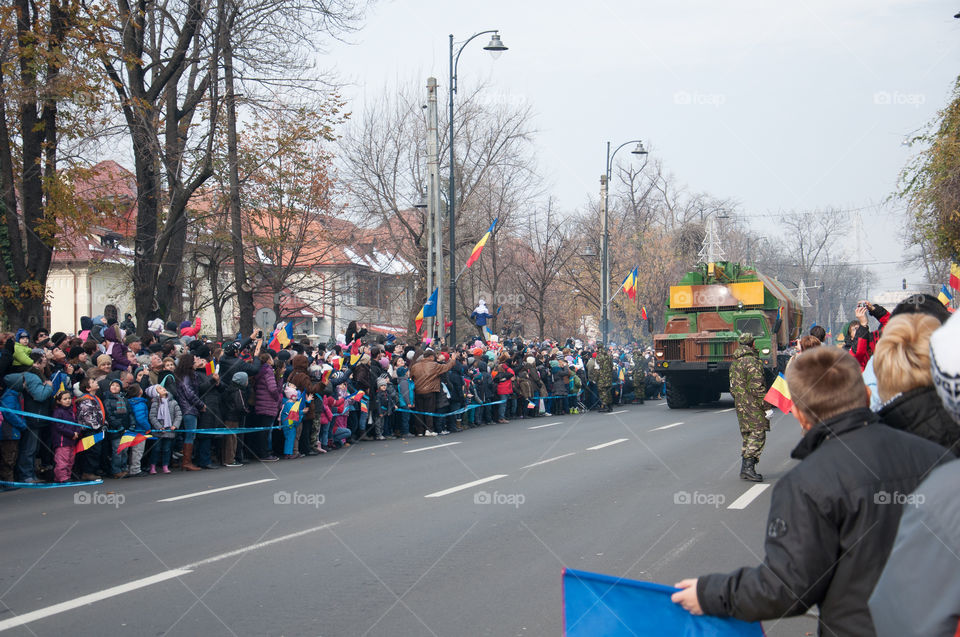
[(833, 517)]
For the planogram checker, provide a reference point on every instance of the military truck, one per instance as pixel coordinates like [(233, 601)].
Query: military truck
[(708, 310)]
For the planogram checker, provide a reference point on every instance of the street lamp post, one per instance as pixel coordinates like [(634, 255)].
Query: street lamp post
[(605, 246), (495, 46)]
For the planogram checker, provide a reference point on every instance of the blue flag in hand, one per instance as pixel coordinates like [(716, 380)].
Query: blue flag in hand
[(596, 605)]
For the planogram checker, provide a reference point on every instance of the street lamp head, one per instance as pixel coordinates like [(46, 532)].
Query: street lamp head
[(495, 46), (639, 150), (421, 202)]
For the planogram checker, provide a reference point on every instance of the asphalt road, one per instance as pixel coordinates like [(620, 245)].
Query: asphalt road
[(385, 538)]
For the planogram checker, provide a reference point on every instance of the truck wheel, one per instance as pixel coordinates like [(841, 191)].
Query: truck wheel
[(677, 397)]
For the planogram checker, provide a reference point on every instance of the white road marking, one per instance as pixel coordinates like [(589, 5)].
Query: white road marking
[(549, 424), (114, 591), (258, 545), (607, 444), (670, 426), (437, 494), (613, 413), (232, 486), (751, 494), (537, 464), (446, 444), (90, 598), (723, 411)]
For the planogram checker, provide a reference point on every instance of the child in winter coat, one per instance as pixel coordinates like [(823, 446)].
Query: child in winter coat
[(140, 410), (119, 419), (327, 404), (64, 436), (289, 419), (340, 430), (165, 418), (405, 397), (386, 404), (90, 414)]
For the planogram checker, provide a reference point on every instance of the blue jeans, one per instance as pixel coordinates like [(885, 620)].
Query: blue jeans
[(160, 454), (502, 407), (189, 424), (118, 461), (404, 426), (201, 451), (324, 434), (27, 449)]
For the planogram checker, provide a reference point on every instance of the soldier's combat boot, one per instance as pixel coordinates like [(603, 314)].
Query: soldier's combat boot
[(747, 470)]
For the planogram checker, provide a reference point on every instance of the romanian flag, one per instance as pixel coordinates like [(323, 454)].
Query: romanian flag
[(355, 351), (477, 249), (282, 336), (293, 416), (363, 406), (955, 276), (358, 396), (210, 368), (531, 404), (945, 296), (85, 443), (128, 440), (779, 394), (336, 362), (643, 312), (629, 284), (429, 309)]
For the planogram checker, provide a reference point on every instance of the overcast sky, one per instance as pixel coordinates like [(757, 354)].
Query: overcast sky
[(779, 106)]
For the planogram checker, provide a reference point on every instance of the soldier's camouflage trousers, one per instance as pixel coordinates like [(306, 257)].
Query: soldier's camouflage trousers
[(753, 439), (605, 393)]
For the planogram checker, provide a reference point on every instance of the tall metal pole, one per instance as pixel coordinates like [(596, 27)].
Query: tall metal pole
[(605, 255), (451, 207), (433, 203)]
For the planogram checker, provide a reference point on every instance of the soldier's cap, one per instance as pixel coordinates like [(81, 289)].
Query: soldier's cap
[(747, 338)]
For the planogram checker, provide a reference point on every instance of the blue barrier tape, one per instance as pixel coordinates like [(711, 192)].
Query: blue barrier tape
[(27, 414), (449, 413), (48, 485)]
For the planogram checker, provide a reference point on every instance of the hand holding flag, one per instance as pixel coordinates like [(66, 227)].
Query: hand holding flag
[(779, 395)]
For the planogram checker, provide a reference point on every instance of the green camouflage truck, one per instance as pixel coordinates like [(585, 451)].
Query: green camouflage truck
[(707, 311)]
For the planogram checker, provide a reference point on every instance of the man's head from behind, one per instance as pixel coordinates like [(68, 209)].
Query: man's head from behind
[(825, 382)]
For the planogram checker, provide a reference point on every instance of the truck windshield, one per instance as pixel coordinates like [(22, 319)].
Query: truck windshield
[(753, 325)]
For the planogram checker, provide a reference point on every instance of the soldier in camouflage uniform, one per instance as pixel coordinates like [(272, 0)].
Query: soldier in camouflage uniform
[(748, 389), (604, 378), (639, 376)]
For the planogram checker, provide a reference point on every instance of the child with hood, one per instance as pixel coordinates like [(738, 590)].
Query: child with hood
[(165, 418), (64, 436), (119, 419), (21, 350), (386, 404), (480, 315), (326, 411), (405, 398), (140, 410), (290, 415)]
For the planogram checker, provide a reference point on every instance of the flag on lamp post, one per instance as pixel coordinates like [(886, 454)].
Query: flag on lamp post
[(477, 249), (429, 309)]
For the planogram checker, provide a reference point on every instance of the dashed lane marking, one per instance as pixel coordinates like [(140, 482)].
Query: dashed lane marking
[(208, 491), (749, 496), (607, 444), (461, 487), (537, 464), (670, 426), (614, 413), (549, 424), (446, 444)]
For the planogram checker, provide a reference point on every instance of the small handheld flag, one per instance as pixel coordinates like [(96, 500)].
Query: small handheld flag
[(210, 368), (955, 276), (779, 394), (945, 296), (129, 439), (531, 405), (643, 312), (429, 309), (282, 336), (85, 443), (477, 249), (596, 604)]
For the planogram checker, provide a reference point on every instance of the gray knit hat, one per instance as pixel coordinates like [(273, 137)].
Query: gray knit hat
[(945, 364)]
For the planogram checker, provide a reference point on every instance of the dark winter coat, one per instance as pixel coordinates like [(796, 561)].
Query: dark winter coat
[(234, 403), (117, 410), (13, 424), (831, 526), (211, 392), (116, 349), (140, 414), (188, 394), (266, 393), (920, 412), (61, 433)]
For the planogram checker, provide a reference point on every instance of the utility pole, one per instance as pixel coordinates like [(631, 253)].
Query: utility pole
[(434, 221)]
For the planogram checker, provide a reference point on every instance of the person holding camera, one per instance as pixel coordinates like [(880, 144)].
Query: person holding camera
[(861, 340)]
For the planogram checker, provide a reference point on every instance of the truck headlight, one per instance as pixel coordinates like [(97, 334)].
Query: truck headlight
[(659, 354), (765, 351)]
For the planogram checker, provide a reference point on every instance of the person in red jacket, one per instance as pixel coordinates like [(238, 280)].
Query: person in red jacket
[(863, 340), (190, 330), (503, 377)]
